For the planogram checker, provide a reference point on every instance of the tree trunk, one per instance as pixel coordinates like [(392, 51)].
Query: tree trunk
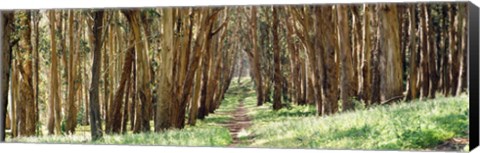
[(143, 68), (277, 93), (165, 97), (95, 121), (412, 84), (6, 29), (54, 103), (348, 86), (256, 56), (116, 107), (366, 57), (71, 111), (425, 82), (390, 57), (330, 76)]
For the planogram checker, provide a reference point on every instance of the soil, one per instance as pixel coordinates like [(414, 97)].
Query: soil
[(240, 121), (454, 144)]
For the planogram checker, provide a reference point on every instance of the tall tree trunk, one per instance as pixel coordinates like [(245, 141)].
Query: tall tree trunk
[(54, 103), (6, 30), (348, 86), (26, 109), (116, 107), (256, 56), (36, 70), (95, 121), (143, 68), (432, 51), (366, 57), (412, 84), (277, 93), (71, 111), (330, 76), (390, 57), (165, 97), (461, 46), (425, 82)]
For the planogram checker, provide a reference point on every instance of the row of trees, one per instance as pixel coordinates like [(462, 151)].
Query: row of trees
[(121, 68), (126, 68), (366, 54)]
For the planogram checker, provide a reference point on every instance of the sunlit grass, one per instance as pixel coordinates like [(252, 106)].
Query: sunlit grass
[(415, 125), (407, 126), (207, 132)]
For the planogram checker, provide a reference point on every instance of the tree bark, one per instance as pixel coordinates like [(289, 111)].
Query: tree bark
[(277, 93), (412, 84), (348, 86), (71, 111), (390, 57), (95, 121), (115, 114), (165, 79), (256, 56), (6, 30)]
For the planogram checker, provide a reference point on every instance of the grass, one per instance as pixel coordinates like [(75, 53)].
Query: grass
[(416, 125), (207, 132)]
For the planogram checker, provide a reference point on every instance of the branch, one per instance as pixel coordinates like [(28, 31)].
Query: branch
[(392, 99), (219, 28)]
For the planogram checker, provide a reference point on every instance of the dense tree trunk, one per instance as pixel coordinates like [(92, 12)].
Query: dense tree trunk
[(6, 30), (256, 57), (425, 82), (348, 86), (143, 90), (277, 93), (116, 107), (71, 111), (330, 77), (366, 89), (165, 79), (95, 121), (53, 124), (412, 84), (390, 57)]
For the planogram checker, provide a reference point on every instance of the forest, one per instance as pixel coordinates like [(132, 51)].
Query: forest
[(227, 73)]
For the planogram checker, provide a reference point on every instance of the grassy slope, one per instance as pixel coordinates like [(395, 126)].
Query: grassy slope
[(408, 126), (415, 125)]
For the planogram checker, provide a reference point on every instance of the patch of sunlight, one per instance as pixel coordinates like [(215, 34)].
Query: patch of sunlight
[(243, 133)]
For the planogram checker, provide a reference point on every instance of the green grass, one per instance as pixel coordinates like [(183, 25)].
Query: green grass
[(416, 125), (207, 132)]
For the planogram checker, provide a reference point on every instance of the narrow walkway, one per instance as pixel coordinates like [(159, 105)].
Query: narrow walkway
[(239, 122)]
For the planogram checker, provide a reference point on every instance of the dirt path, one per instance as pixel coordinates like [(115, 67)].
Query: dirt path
[(239, 122)]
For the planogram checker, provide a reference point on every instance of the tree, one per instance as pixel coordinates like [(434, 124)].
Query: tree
[(116, 107), (95, 121), (143, 73), (390, 57), (366, 90), (330, 78), (26, 108), (412, 84), (162, 121), (277, 94), (6, 30), (71, 111), (54, 118), (348, 86), (256, 56)]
